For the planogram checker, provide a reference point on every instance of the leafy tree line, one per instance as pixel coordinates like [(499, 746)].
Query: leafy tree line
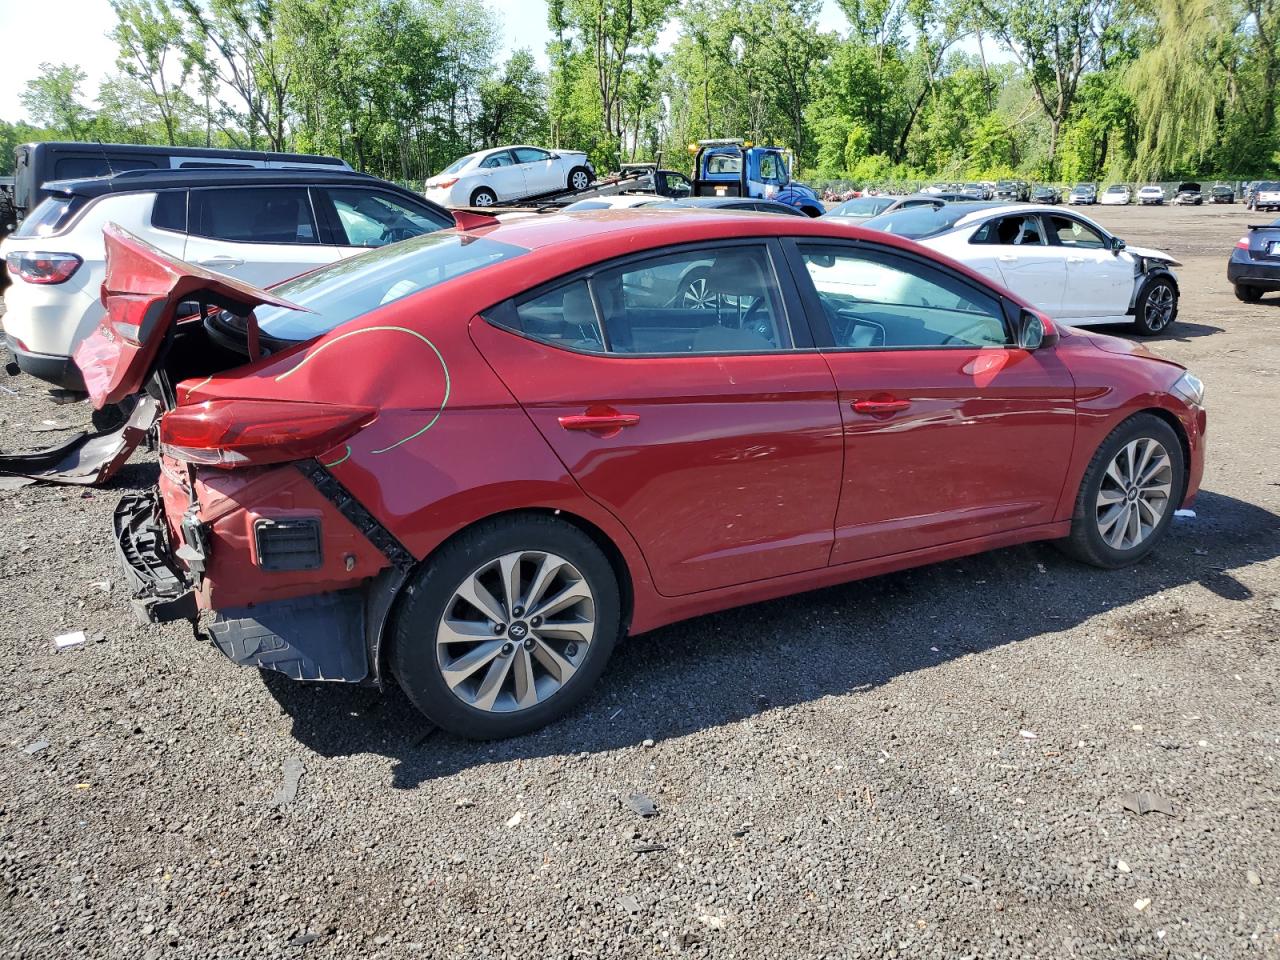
[(910, 89)]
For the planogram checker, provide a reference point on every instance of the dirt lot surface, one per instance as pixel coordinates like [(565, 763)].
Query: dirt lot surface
[(929, 764)]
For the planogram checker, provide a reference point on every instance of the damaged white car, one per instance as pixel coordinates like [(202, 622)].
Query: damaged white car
[(1062, 262)]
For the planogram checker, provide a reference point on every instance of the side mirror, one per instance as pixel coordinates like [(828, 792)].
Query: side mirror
[(1117, 245), (555, 156), (1035, 332)]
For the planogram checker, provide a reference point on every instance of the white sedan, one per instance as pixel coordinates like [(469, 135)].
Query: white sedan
[(1060, 261), (1151, 194), (1116, 195), (509, 173)]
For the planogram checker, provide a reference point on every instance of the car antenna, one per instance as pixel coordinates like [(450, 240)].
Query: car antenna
[(105, 158)]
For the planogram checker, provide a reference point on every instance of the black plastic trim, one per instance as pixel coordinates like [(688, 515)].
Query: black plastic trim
[(353, 510)]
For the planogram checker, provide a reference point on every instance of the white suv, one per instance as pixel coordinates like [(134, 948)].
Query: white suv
[(259, 226)]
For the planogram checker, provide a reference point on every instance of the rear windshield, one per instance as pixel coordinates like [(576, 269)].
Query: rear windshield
[(357, 285), (50, 215), (458, 164), (861, 207), (918, 222)]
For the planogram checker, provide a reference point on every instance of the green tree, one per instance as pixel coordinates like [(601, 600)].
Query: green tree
[(149, 37), (54, 99)]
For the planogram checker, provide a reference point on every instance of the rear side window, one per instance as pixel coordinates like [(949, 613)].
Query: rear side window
[(358, 285), (74, 168), (253, 215), (50, 216), (170, 211), (1016, 231)]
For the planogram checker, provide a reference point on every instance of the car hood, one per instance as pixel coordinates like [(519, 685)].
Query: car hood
[(1147, 253), (1126, 348)]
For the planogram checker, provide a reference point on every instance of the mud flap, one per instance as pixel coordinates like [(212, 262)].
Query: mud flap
[(89, 459)]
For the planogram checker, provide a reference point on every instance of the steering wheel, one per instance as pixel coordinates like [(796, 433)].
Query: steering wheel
[(396, 234), (762, 328)]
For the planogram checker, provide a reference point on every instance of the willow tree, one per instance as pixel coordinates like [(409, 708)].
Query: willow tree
[(1177, 86)]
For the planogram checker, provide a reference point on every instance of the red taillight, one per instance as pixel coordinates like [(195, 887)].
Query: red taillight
[(245, 433), (446, 184), (1242, 243), (43, 267)]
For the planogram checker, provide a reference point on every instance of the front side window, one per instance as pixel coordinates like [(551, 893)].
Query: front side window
[(358, 285), (703, 301), (875, 301), (253, 215), (531, 155), (371, 218), (1069, 232)]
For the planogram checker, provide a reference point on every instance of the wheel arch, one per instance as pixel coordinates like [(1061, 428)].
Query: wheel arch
[(1184, 441), (387, 591)]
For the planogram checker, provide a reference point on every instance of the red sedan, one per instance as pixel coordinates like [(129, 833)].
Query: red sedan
[(475, 459)]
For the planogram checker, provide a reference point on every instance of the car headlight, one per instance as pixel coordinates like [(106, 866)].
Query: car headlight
[(1190, 389)]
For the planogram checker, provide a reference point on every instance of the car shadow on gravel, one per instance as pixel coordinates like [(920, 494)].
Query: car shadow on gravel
[(722, 668), (1179, 331)]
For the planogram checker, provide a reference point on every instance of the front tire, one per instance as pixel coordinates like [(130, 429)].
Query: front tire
[(1130, 490), (579, 179), (1247, 294), (507, 627), (1157, 306)]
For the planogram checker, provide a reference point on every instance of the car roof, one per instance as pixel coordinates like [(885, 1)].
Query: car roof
[(140, 181)]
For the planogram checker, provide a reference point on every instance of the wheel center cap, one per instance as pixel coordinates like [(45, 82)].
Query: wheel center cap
[(1131, 494), (518, 630)]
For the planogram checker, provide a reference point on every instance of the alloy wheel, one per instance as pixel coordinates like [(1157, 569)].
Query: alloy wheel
[(484, 200), (515, 631), (1134, 493), (1160, 303), (696, 296), (579, 181)]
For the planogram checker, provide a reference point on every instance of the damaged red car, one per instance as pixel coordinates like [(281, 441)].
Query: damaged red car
[(474, 460)]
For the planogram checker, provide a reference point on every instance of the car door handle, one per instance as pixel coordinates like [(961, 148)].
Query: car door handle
[(226, 263), (609, 420), (1006, 258), (879, 406)]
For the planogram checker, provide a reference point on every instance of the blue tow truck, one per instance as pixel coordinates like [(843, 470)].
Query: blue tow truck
[(734, 168)]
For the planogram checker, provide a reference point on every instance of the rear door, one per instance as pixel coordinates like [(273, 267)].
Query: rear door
[(707, 425), (504, 176), (260, 235), (1099, 283), (951, 433), (1014, 252)]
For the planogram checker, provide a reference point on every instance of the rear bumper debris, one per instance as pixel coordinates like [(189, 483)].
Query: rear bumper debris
[(88, 459), (161, 593)]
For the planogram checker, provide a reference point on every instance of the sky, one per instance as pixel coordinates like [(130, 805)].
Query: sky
[(82, 26)]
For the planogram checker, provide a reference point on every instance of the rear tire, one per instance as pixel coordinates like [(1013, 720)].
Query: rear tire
[(465, 666), (1157, 306), (483, 197), (1248, 294), (1101, 537), (579, 179)]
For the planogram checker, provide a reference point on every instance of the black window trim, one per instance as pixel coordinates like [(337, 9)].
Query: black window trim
[(795, 316), (306, 188), (822, 333)]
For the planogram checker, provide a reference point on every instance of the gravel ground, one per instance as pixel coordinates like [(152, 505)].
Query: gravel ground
[(929, 764)]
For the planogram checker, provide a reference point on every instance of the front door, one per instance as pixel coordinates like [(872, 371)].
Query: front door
[(1099, 282), (705, 424), (541, 173), (951, 433)]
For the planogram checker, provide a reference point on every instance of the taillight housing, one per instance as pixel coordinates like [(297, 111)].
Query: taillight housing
[(1242, 243), (447, 183), (248, 433), (43, 268)]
